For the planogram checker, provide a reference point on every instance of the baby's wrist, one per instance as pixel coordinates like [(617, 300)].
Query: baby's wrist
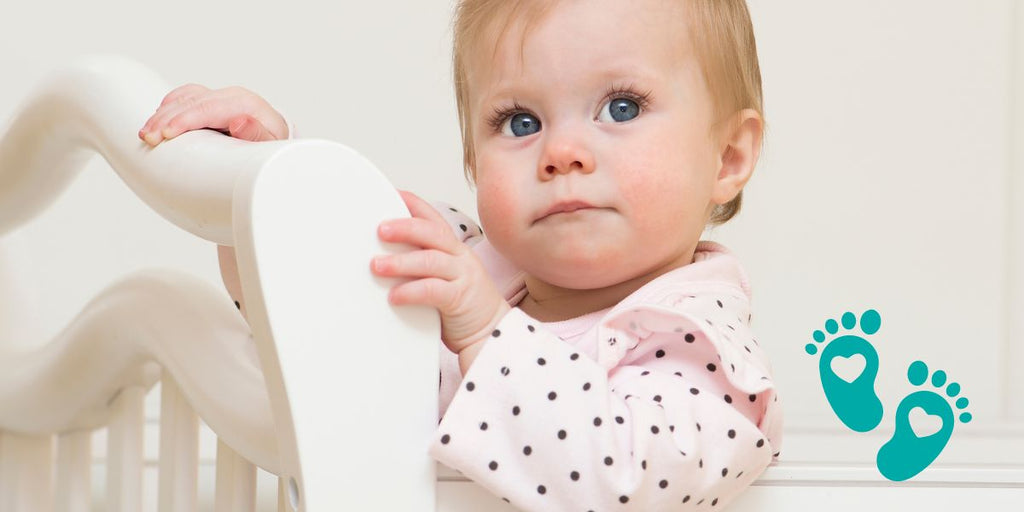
[(469, 351)]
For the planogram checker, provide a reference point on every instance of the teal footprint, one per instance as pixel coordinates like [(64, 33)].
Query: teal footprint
[(906, 455), (855, 403)]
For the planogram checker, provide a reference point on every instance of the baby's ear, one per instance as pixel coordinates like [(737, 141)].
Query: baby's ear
[(739, 146)]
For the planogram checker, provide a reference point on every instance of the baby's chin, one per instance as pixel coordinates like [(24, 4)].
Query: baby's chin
[(580, 273)]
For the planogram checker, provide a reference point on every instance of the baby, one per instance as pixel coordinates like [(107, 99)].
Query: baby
[(598, 354)]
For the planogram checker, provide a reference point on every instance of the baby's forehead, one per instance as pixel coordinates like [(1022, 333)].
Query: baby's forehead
[(507, 28)]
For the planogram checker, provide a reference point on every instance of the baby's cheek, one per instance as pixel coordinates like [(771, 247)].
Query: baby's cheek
[(498, 207)]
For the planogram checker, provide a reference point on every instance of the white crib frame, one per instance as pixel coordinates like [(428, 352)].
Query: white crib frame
[(266, 388)]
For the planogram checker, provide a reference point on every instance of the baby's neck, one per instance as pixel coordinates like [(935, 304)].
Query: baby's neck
[(550, 303)]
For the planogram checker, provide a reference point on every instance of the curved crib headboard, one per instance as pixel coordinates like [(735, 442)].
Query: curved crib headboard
[(326, 386)]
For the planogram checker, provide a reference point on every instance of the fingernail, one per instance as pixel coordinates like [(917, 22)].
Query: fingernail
[(385, 229), (152, 138)]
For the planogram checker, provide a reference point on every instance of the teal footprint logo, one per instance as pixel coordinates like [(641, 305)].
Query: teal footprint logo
[(906, 454), (852, 399)]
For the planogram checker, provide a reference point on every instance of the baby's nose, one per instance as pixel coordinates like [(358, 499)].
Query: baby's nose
[(565, 156)]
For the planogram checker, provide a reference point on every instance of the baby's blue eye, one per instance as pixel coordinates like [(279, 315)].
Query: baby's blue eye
[(620, 110), (521, 125)]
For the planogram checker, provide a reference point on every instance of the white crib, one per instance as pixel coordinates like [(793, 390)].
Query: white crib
[(279, 391)]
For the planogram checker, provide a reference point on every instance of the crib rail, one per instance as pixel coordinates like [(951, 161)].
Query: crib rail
[(325, 386)]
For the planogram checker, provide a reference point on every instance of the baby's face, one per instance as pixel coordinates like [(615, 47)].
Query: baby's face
[(606, 106)]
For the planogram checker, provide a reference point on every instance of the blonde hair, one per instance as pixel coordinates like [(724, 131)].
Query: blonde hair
[(722, 36)]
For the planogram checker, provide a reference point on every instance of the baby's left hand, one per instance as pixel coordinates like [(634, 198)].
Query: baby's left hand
[(447, 276)]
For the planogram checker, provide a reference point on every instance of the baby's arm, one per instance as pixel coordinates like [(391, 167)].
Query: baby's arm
[(547, 427), (234, 111)]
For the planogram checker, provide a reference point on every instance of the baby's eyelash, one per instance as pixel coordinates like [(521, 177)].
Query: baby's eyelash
[(642, 98), (501, 114)]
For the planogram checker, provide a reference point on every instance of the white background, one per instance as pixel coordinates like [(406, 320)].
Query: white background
[(889, 178)]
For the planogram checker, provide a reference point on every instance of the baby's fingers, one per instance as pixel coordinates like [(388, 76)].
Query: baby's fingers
[(183, 92), (173, 103), (428, 263), (420, 233), (434, 292)]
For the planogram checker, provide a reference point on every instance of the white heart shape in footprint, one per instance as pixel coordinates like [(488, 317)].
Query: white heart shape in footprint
[(924, 424), (849, 368)]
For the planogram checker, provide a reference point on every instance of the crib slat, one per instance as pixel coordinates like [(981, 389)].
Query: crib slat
[(236, 481), (74, 479), (282, 498), (179, 450), (124, 451), (26, 473)]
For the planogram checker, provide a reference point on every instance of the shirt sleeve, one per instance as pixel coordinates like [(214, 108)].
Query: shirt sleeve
[(656, 421)]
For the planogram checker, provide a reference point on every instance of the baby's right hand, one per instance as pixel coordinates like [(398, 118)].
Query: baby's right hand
[(236, 111)]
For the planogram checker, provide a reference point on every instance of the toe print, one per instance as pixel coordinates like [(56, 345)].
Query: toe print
[(850, 390), (912, 449)]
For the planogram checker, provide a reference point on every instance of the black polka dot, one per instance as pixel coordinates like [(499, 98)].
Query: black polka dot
[(659, 354), (698, 427), (586, 386), (672, 428), (700, 463), (645, 373), (694, 391), (714, 502), (504, 370), (574, 356), (527, 450), (701, 501), (739, 474), (453, 209), (719, 303), (470, 386), (495, 333), (657, 398), (686, 498), (541, 361), (541, 489), (619, 420), (575, 475), (237, 305), (608, 461), (760, 443), (530, 327), (711, 367), (655, 429), (445, 438), (483, 425), (678, 374), (515, 411), (623, 499), (463, 227), (493, 465), (561, 434), (732, 434), (733, 367), (663, 484), (597, 421), (725, 471), (689, 337), (752, 397), (552, 395), (728, 399), (643, 464)]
